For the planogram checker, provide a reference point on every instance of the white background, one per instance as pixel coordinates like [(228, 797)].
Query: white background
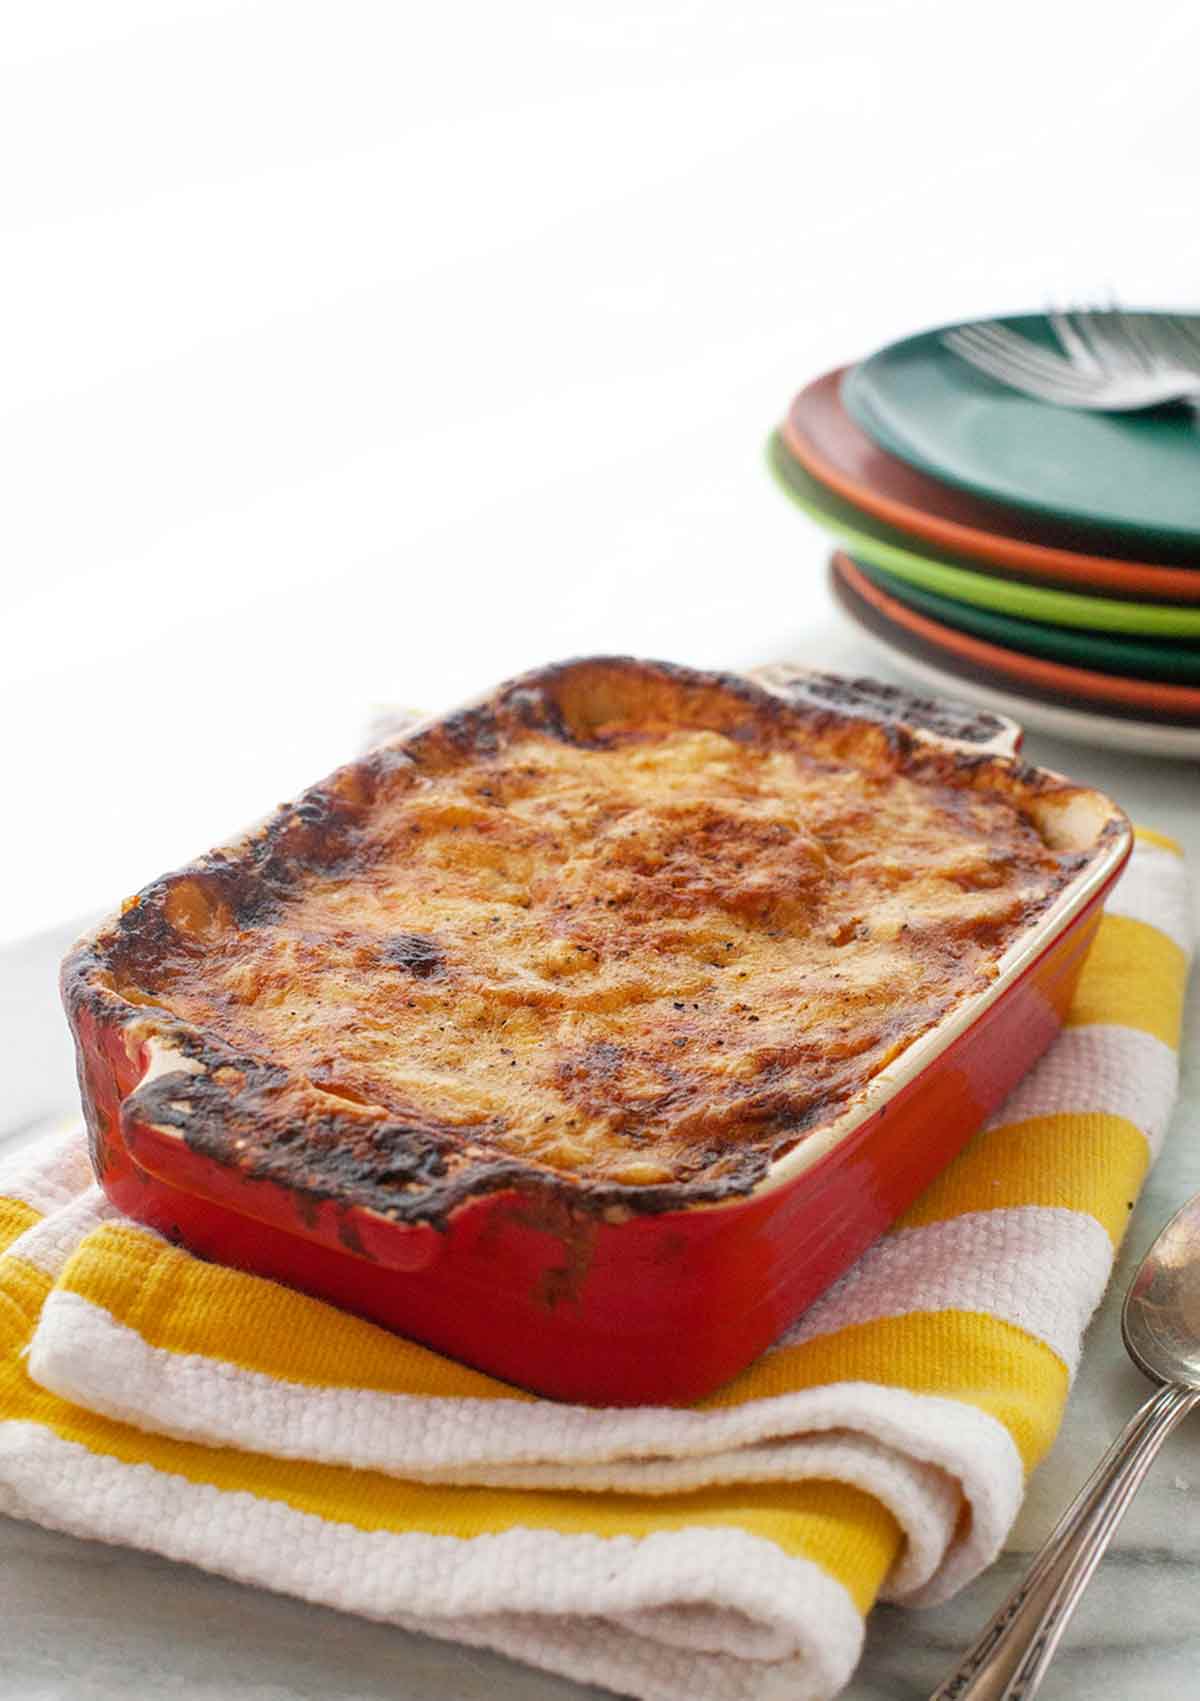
[(356, 352)]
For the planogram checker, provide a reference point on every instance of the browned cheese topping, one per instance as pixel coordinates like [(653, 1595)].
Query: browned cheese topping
[(658, 954)]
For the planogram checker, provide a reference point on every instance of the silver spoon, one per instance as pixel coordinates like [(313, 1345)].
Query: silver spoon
[(1160, 1323)]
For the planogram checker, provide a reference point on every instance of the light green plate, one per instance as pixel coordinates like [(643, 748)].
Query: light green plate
[(1138, 474), (871, 540)]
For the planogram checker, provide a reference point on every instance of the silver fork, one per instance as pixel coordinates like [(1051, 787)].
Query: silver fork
[(1111, 362)]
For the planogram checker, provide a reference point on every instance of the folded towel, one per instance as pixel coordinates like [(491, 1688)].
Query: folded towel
[(724, 1552)]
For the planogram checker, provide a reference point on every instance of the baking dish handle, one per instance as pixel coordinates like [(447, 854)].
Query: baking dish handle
[(148, 1120), (958, 724)]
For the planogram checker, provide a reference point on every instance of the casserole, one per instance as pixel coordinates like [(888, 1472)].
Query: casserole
[(281, 1070)]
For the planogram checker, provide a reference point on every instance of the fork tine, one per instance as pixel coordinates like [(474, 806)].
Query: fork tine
[(1022, 355), (1120, 362), (1076, 349), (1053, 366), (1111, 355), (1171, 345), (1179, 338), (1009, 346), (1140, 345), (1012, 343), (1007, 372), (1170, 354), (1187, 325), (1143, 346), (1171, 336), (1010, 370)]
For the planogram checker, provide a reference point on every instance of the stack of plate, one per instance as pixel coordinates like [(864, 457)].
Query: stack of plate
[(1038, 560)]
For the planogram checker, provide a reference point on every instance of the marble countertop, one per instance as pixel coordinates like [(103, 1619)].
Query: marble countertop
[(91, 1622)]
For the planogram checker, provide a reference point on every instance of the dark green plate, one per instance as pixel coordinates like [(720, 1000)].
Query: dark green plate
[(1132, 658), (1137, 474)]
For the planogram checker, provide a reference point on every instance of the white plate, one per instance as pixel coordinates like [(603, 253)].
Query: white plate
[(1082, 725)]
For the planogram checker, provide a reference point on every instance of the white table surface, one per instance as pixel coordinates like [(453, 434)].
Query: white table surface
[(369, 353)]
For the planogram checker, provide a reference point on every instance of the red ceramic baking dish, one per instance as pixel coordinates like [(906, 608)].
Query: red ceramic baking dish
[(572, 1293)]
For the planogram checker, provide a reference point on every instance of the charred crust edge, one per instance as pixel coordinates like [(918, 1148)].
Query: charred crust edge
[(338, 1155), (872, 699)]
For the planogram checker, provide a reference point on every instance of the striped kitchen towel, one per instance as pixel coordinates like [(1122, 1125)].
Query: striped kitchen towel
[(726, 1552)]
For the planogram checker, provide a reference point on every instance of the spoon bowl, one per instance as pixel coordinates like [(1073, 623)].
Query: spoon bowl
[(1160, 1320)]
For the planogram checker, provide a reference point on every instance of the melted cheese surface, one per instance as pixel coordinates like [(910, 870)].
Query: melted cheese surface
[(634, 962)]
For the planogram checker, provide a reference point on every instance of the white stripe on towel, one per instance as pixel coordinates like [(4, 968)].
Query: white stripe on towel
[(1040, 1267), (50, 1176), (1154, 889), (561, 1602), (1100, 1068)]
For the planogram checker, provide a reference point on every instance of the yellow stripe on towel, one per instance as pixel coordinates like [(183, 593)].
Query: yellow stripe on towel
[(848, 1533), (184, 1306), (1089, 1162), (165, 1295), (15, 1217), (1147, 836), (958, 1355), (1134, 976)]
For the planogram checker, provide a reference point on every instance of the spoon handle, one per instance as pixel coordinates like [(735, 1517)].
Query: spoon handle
[(1009, 1660)]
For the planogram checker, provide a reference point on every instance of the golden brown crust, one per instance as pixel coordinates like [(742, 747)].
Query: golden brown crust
[(623, 930)]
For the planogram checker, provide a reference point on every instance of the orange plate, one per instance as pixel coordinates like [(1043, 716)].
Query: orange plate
[(1150, 698), (824, 439)]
